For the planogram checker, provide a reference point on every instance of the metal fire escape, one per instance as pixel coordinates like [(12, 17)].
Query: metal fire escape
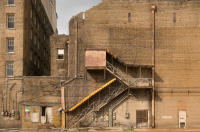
[(127, 79), (95, 105), (88, 107)]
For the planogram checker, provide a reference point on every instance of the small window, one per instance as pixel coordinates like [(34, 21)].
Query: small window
[(9, 68), (11, 21), (43, 111), (60, 54), (10, 44), (11, 2), (129, 17)]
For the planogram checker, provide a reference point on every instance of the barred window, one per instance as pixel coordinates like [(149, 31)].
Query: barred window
[(9, 68), (11, 2), (10, 44), (11, 21)]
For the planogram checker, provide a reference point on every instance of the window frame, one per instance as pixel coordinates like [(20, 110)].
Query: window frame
[(60, 55), (8, 41), (11, 25), (11, 2), (9, 68)]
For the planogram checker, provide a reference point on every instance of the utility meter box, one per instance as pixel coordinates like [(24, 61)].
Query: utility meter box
[(182, 119)]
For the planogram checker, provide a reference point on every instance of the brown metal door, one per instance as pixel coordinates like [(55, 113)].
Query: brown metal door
[(142, 118)]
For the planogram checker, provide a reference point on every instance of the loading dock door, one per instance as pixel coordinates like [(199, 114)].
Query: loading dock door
[(142, 118), (182, 119)]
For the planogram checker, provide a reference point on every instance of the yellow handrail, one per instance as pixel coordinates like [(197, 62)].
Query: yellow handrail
[(92, 94)]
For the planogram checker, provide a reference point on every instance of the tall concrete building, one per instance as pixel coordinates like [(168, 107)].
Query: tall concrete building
[(135, 63), (25, 30)]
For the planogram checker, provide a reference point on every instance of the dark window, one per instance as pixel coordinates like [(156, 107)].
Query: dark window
[(11, 21), (11, 2), (9, 68), (129, 17), (43, 111), (10, 44)]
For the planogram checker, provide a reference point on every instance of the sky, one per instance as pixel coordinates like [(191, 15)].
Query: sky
[(68, 8)]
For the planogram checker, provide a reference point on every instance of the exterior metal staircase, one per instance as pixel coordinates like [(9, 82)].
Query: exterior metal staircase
[(89, 111), (88, 107), (127, 79)]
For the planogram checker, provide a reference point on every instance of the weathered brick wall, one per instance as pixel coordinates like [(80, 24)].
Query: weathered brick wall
[(42, 91), (29, 124), (13, 85), (176, 53), (59, 67)]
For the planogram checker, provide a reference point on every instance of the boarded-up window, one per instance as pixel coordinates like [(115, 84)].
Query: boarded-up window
[(27, 115), (49, 113), (142, 118), (35, 117)]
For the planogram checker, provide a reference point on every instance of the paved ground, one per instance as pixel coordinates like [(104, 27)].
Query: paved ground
[(100, 130)]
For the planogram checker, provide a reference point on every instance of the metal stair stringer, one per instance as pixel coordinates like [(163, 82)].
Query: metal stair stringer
[(119, 74), (96, 106)]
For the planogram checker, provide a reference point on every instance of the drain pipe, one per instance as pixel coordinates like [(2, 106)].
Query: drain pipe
[(153, 9)]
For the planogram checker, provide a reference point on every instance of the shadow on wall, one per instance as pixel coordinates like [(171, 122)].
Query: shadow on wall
[(158, 78)]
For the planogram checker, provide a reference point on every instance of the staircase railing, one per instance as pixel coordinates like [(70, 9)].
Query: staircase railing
[(95, 106), (127, 79)]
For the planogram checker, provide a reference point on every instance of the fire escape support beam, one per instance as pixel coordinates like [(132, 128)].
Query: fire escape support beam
[(153, 9), (112, 107)]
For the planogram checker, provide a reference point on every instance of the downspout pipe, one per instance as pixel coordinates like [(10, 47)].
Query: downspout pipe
[(153, 9)]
